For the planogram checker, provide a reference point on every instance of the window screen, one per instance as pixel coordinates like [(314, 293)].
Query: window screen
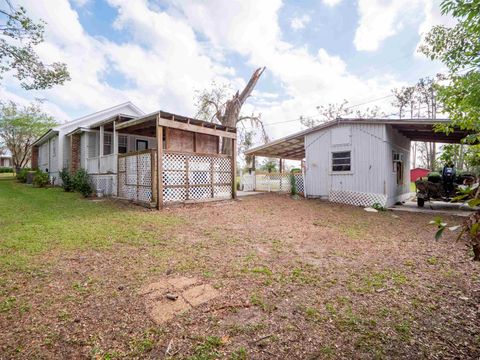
[(122, 144), (107, 144), (341, 161)]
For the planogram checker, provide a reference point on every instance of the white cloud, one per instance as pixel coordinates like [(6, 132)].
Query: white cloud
[(331, 3), (433, 16), (307, 79), (173, 52), (298, 23), (381, 19), (81, 3)]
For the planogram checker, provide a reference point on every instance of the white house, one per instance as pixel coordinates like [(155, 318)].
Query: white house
[(357, 161), (6, 159), (52, 152), (154, 159)]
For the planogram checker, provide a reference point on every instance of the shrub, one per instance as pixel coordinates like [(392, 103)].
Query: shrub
[(293, 185), (4, 170), (377, 206), (434, 177), (22, 175), (67, 180), (41, 179), (81, 183)]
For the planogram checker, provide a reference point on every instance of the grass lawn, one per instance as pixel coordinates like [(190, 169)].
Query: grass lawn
[(294, 278)]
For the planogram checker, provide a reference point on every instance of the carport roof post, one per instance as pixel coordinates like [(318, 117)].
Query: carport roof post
[(293, 146)]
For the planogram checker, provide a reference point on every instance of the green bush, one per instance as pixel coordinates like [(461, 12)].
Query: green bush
[(434, 177), (41, 179), (4, 170), (67, 180), (293, 185), (81, 183), (22, 175)]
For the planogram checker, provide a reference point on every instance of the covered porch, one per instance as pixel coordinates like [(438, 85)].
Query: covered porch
[(103, 143), (182, 160)]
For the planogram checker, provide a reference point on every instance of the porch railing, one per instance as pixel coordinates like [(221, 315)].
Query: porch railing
[(106, 164)]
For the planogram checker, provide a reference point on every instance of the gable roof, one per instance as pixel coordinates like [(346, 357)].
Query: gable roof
[(101, 114), (90, 119)]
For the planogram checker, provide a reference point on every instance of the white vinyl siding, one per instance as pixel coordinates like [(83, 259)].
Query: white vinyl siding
[(367, 158)]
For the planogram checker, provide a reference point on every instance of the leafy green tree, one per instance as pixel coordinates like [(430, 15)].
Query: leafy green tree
[(455, 154), (20, 127), (19, 35), (458, 48), (269, 166)]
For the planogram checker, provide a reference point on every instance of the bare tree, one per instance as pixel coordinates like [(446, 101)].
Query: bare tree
[(212, 107), (333, 111), (420, 101)]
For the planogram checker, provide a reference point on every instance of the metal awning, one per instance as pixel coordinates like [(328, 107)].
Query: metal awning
[(293, 146)]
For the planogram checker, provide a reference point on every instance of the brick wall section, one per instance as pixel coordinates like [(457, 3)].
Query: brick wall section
[(75, 147), (34, 158)]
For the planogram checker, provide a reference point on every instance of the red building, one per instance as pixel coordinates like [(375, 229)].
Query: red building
[(417, 173)]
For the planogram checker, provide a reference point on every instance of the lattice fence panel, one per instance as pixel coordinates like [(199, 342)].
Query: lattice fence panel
[(196, 177), (107, 183), (274, 182), (357, 198), (135, 176), (299, 183)]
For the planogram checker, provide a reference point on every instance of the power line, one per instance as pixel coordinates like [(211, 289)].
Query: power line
[(356, 105)]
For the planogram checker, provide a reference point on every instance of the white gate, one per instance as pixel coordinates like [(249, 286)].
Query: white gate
[(272, 182), (247, 182)]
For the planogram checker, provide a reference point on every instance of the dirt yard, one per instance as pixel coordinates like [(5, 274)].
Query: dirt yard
[(264, 277)]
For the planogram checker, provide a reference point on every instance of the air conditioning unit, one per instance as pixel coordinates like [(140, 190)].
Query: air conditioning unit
[(397, 157)]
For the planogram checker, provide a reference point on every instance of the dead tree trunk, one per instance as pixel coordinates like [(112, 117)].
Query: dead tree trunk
[(231, 112)]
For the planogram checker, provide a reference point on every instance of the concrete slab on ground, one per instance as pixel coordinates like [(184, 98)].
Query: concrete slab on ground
[(435, 208), (248, 193)]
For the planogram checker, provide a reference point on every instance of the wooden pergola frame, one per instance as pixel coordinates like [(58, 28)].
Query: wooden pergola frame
[(161, 120)]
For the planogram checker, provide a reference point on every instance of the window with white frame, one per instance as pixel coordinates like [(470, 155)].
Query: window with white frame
[(107, 144), (122, 144), (341, 161)]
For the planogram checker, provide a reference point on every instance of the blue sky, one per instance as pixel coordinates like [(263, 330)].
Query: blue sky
[(157, 54)]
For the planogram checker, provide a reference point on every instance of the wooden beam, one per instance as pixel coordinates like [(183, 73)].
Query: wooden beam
[(159, 167), (153, 168), (131, 123), (195, 128)]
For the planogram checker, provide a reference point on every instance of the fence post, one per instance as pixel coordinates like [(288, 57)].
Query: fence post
[(234, 169), (159, 174), (153, 176)]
